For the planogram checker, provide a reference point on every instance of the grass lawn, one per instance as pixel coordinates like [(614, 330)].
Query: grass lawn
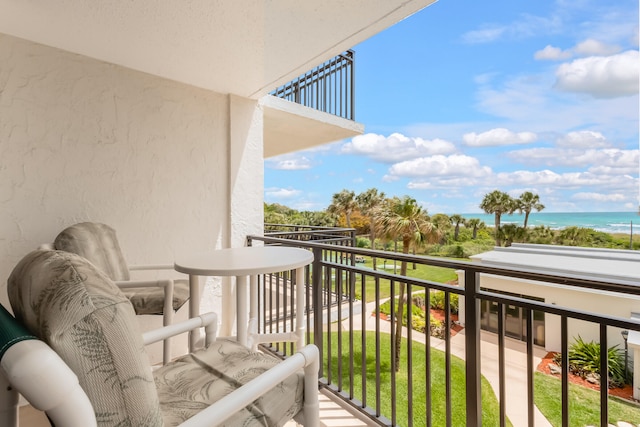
[(584, 404), (490, 411), (426, 272)]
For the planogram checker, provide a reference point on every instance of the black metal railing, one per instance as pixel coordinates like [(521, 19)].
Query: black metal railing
[(353, 356), (329, 87)]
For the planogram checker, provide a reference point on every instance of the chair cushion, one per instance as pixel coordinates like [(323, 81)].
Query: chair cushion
[(190, 383), (151, 300), (77, 310), (98, 244)]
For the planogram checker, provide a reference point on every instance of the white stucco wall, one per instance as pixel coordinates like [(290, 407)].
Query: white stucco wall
[(84, 140)]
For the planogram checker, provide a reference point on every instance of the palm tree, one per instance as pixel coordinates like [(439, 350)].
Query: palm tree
[(369, 203), (404, 220), (456, 220), (343, 203), (443, 223), (528, 202), (474, 224), (497, 202)]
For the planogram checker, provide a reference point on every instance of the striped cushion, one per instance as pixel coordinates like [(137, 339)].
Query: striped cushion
[(97, 243), (190, 383), (67, 302)]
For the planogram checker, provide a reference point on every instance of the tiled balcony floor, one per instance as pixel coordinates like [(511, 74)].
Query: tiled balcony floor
[(331, 415)]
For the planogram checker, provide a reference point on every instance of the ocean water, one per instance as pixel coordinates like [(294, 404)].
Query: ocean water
[(609, 222)]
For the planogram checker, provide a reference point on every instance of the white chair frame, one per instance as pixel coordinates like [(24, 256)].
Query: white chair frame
[(33, 369)]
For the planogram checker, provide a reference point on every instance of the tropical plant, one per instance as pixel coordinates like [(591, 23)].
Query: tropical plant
[(443, 223), (456, 220), (437, 301), (574, 236), (369, 203), (584, 359), (343, 203), (474, 224), (511, 233), (540, 234), (404, 220), (497, 203), (526, 203)]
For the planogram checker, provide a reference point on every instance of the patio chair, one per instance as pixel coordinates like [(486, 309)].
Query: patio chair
[(98, 243), (65, 301)]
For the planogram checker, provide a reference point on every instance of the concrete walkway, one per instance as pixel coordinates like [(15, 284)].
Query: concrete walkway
[(515, 366)]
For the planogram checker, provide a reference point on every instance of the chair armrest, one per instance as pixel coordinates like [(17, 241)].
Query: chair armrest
[(42, 377), (207, 320), (126, 284), (306, 358), (152, 267)]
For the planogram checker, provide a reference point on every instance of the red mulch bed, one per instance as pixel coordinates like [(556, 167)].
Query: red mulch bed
[(625, 392)]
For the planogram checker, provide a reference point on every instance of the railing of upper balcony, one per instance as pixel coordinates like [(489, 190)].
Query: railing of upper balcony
[(329, 87), (359, 368)]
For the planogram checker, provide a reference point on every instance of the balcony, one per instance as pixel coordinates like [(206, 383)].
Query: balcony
[(329, 87), (357, 368), (316, 108)]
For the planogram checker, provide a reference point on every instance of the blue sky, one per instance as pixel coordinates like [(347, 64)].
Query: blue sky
[(466, 97)]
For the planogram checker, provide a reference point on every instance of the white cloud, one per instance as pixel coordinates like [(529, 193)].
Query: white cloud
[(396, 147), (289, 162), (454, 165), (498, 136), (591, 47), (605, 160), (588, 47), (551, 53), (601, 76), (527, 26), (599, 197), (547, 179), (281, 193), (450, 183), (484, 35), (583, 139)]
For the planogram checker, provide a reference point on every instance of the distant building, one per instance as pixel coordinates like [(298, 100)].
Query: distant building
[(615, 265)]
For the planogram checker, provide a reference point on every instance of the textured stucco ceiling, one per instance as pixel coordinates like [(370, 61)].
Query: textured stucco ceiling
[(245, 47)]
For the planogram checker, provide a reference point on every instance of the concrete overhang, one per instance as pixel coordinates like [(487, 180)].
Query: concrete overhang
[(246, 48), (600, 263), (292, 127)]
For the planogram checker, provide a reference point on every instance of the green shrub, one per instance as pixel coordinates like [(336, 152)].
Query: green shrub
[(584, 359), (454, 251), (361, 242), (437, 301)]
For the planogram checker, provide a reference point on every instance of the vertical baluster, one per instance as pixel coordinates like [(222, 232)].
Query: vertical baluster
[(530, 367), (447, 355), (409, 307), (427, 359), (363, 339), (564, 337), (472, 348), (378, 385), (501, 365), (604, 377)]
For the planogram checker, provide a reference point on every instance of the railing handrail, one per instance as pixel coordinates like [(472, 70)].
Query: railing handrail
[(577, 280), (329, 269)]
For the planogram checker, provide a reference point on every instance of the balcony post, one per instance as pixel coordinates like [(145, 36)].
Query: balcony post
[(472, 348), (316, 291)]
